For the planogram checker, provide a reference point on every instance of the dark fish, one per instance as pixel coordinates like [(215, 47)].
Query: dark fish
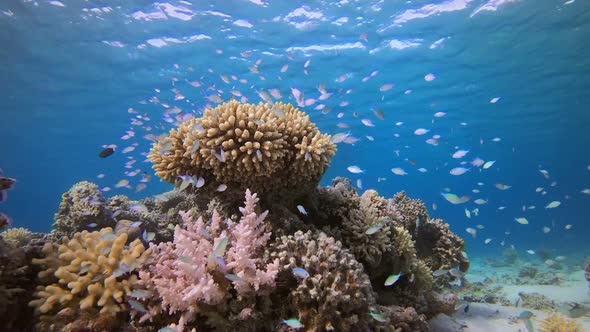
[(106, 152), (466, 309), (5, 184)]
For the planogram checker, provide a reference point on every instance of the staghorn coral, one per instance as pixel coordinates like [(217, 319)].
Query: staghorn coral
[(81, 206), (94, 270), (337, 295), (558, 323), (262, 147), (211, 267), (16, 237)]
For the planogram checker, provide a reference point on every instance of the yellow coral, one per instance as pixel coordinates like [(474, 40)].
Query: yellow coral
[(16, 237), (558, 323), (94, 269), (262, 147)]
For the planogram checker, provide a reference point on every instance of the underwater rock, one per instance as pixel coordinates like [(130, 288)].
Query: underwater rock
[(536, 301), (488, 292)]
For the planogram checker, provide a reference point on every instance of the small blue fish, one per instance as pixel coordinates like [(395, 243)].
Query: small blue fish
[(377, 317), (148, 236), (135, 224), (293, 323), (392, 279), (137, 306), (186, 259), (300, 273), (141, 294), (167, 329), (374, 229), (301, 210), (92, 225), (232, 277)]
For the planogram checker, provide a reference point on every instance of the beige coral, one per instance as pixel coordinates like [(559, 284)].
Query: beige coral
[(263, 147), (93, 270), (558, 323), (404, 247), (337, 295), (16, 237)]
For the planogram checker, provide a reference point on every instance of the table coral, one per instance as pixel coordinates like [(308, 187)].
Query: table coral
[(94, 270), (263, 147)]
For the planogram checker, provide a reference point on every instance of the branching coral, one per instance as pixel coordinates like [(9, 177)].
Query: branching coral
[(262, 147), (208, 262), (558, 323), (81, 206), (337, 295), (94, 270)]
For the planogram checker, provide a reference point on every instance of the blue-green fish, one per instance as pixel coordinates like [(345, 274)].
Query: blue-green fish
[(293, 323)]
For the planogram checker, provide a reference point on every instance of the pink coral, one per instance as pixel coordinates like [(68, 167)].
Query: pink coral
[(205, 260)]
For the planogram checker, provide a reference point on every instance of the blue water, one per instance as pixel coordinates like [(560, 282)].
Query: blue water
[(71, 69)]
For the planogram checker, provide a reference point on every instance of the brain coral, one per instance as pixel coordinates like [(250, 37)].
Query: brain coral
[(93, 269), (263, 147)]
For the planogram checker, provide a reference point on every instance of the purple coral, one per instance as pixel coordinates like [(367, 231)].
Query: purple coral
[(205, 260)]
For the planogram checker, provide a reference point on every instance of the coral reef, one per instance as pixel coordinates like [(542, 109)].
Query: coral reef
[(558, 323), (329, 259), (95, 270), (263, 147)]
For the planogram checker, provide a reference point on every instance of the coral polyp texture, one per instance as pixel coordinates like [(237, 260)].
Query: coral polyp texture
[(264, 147), (558, 323), (94, 271)]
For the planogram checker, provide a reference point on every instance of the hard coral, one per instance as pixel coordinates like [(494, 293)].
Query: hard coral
[(558, 323), (16, 237), (210, 265), (263, 147), (337, 295), (94, 270), (81, 206)]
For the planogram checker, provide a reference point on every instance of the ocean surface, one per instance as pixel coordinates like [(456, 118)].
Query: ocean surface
[(509, 81)]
